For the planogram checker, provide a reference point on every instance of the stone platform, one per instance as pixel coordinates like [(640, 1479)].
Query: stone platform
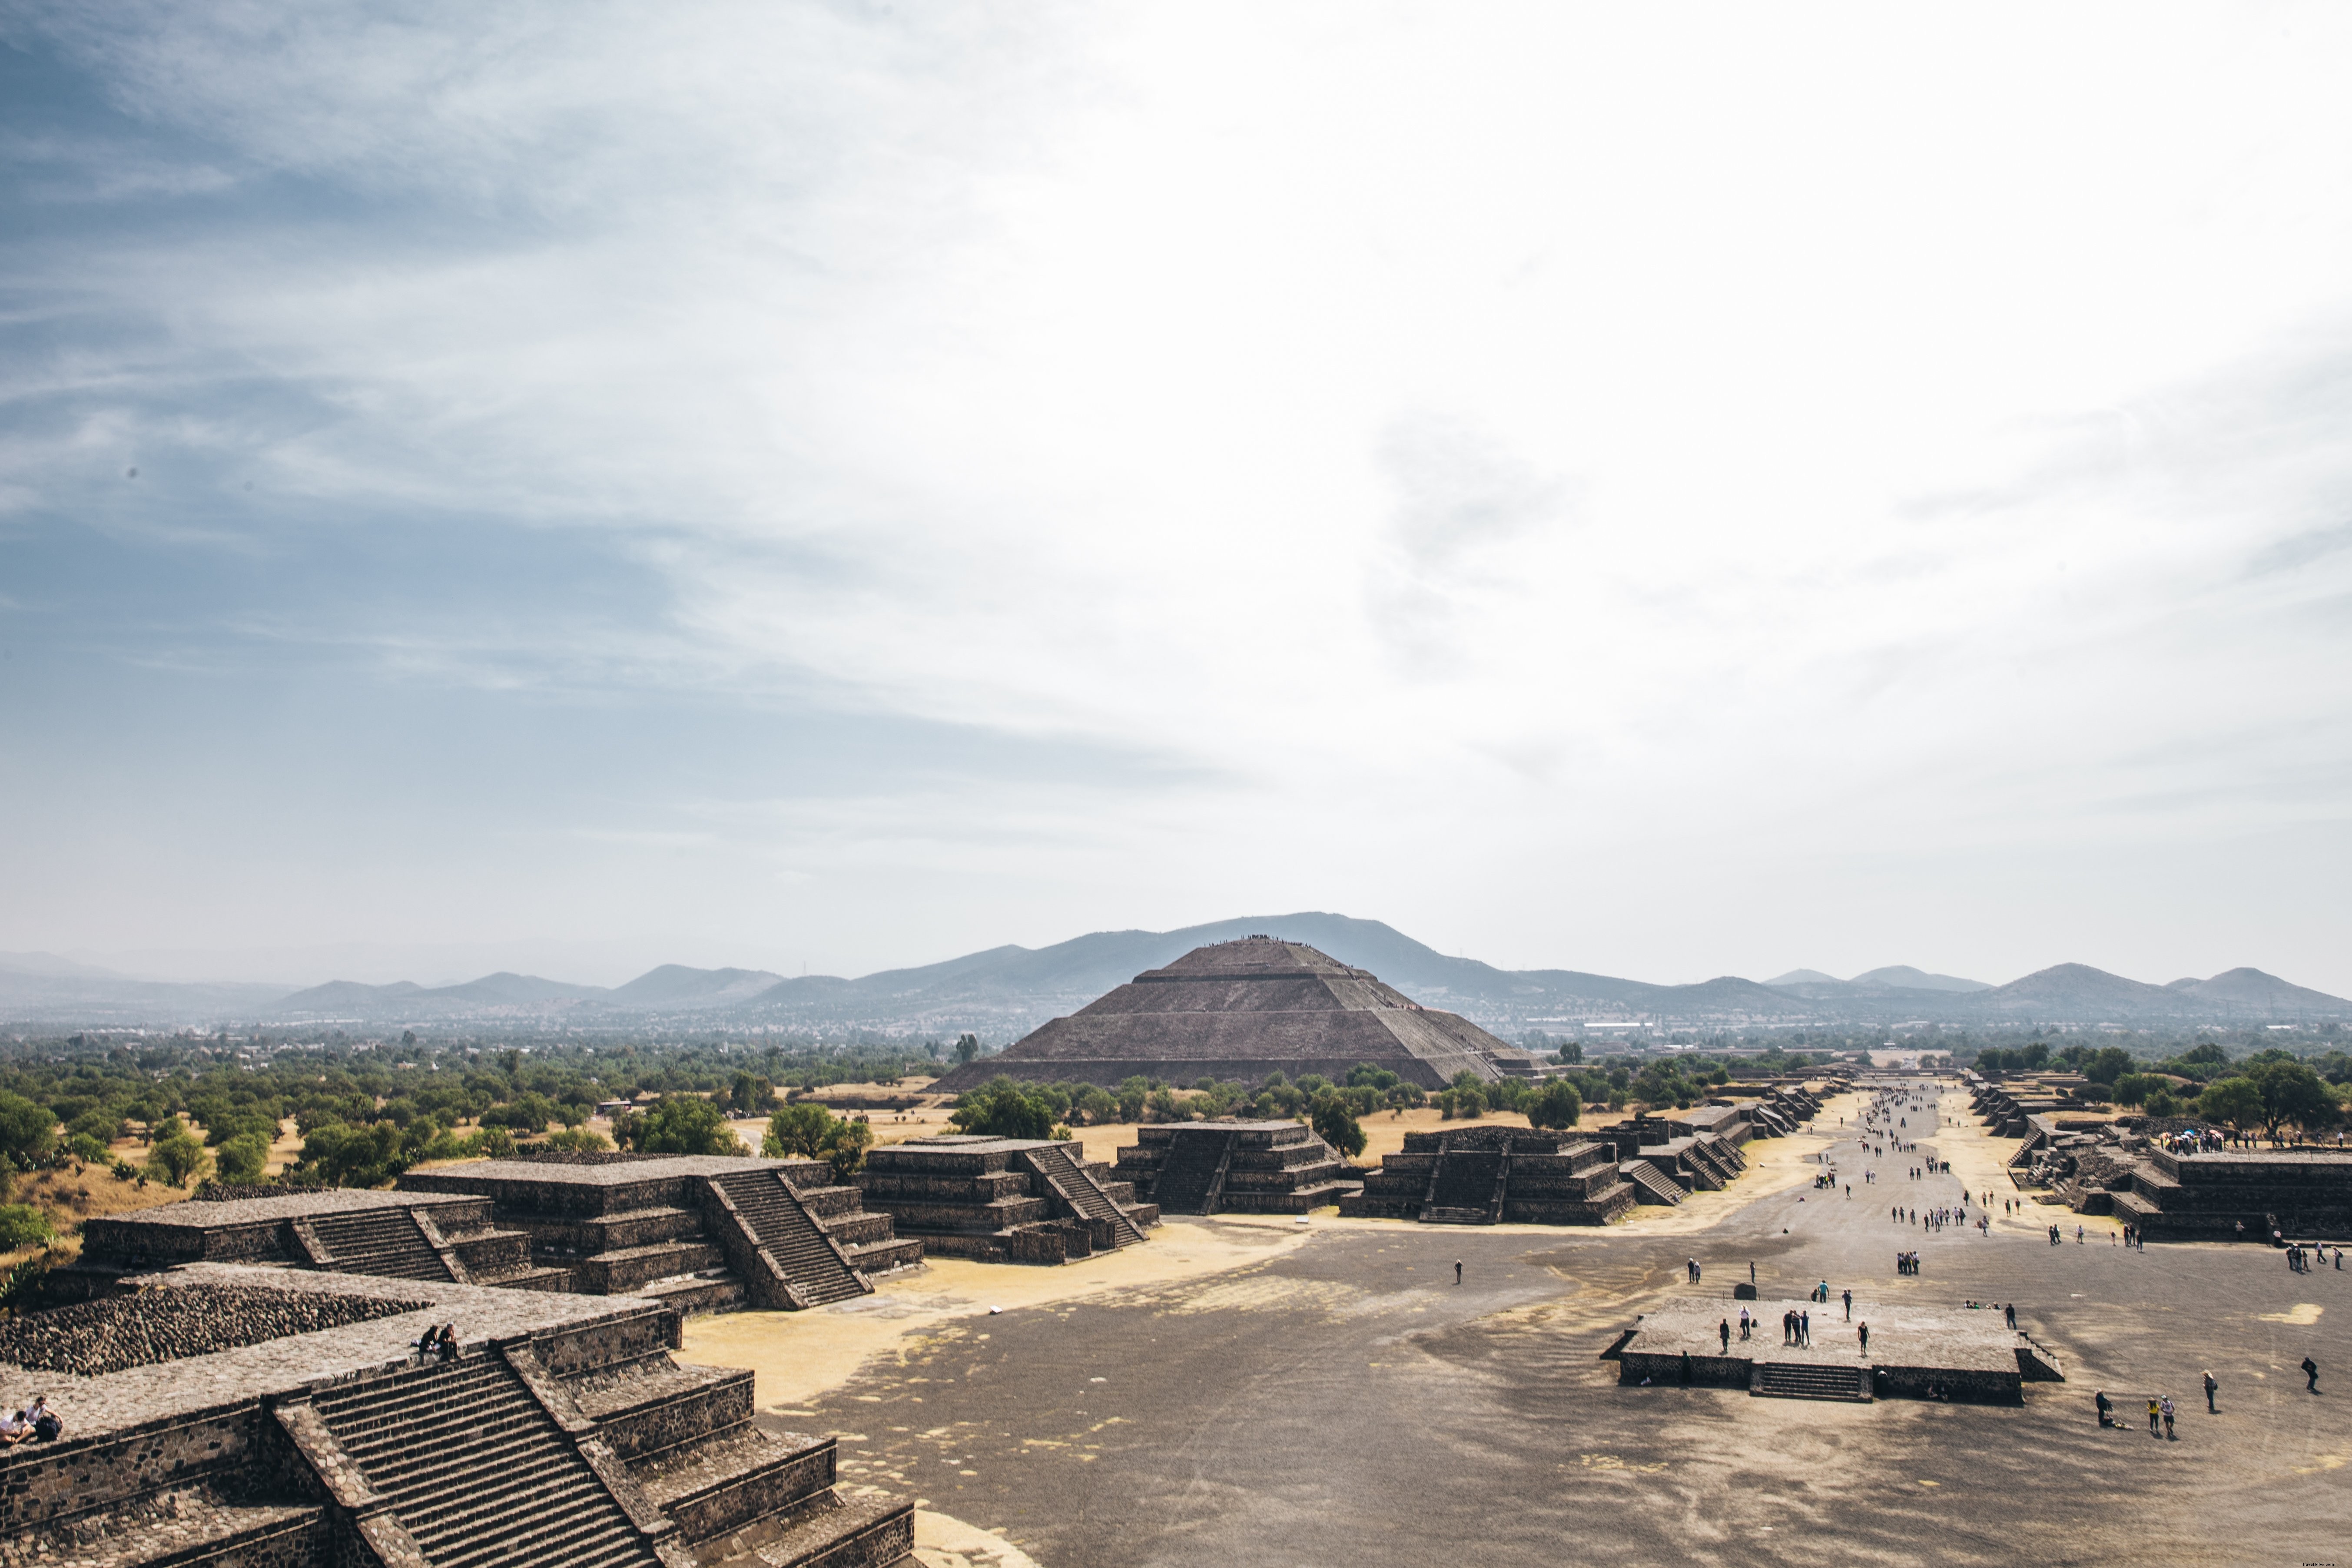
[(1236, 1166), (1004, 1200), (1970, 1352), (562, 1433), (1489, 1174)]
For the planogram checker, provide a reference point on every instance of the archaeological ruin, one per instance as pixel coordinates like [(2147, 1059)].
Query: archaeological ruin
[(1477, 1174), (1007, 1200), (1240, 1010), (277, 1415), (1956, 1352), (1236, 1167)]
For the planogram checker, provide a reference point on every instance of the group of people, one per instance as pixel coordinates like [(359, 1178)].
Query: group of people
[(1796, 1327), (2302, 1260), (439, 1343), (1906, 1263), (35, 1423)]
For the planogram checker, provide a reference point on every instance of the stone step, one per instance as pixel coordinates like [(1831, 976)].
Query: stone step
[(829, 1532), (719, 1487), (1809, 1380)]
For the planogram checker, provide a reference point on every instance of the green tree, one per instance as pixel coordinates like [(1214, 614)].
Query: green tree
[(22, 1225), (242, 1158), (2292, 1095), (174, 1156), (28, 1133), (686, 1124), (752, 1094), (1334, 1121), (1555, 1105), (2106, 1064), (1132, 1092), (851, 1139), (2233, 1102), (1003, 1109), (1405, 1097), (801, 1130)]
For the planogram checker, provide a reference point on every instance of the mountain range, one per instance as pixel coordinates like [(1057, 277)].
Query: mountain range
[(1004, 991)]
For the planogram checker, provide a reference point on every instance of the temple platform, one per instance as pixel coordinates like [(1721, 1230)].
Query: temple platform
[(1971, 1353)]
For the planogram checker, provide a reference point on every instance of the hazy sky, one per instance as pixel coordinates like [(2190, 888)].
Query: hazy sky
[(1666, 491)]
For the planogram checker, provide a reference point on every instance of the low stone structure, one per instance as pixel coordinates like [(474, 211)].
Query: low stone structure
[(1005, 1200), (397, 1235), (562, 1433), (1967, 1354), (1484, 1174), (699, 1232), (1236, 1167)]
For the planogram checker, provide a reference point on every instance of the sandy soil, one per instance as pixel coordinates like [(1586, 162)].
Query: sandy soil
[(797, 1355)]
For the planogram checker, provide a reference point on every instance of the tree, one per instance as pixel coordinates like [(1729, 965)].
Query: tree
[(686, 1124), (1555, 1105), (2162, 1101), (967, 1049), (174, 1156), (2233, 1102), (2134, 1088), (2292, 1094), (2106, 1064), (752, 1094), (22, 1225), (242, 1158), (1405, 1097), (1003, 1109), (28, 1133), (801, 1130), (1334, 1121), (338, 1155), (1569, 1054), (851, 1139)]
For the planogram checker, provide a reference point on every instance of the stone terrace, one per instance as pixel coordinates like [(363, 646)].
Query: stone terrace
[(564, 1434), (1477, 1174), (1236, 1167), (1017, 1199), (1970, 1351), (700, 1232)]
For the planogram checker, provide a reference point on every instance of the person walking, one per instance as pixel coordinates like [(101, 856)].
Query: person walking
[(1751, 1274), (2310, 1375), (1457, 1271), (1805, 1337), (2209, 1386), (2106, 1411), (1849, 1306), (1723, 1331), (1864, 1331), (2152, 1413), (2167, 1407)]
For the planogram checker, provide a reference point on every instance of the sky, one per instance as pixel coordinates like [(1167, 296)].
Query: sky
[(1660, 490)]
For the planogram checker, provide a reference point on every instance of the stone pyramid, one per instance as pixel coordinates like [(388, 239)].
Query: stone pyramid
[(1243, 1010)]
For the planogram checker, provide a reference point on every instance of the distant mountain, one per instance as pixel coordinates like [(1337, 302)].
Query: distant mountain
[(1902, 976), (1804, 977), (49, 966), (406, 999), (676, 985), (2257, 992)]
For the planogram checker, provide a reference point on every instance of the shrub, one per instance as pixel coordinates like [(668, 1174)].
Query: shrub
[(242, 1158), (579, 1141), (1555, 1105), (22, 1225), (28, 1132), (686, 1124), (1334, 1121), (87, 1150), (174, 1156), (1406, 1096), (1003, 1109), (801, 1130), (337, 1154), (2162, 1101)]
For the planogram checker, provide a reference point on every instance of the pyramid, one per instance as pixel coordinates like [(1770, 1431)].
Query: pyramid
[(1239, 1011)]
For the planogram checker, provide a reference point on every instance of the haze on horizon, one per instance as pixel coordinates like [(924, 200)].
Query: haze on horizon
[(1661, 493)]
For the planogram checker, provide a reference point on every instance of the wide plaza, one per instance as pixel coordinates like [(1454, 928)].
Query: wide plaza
[(1252, 1390)]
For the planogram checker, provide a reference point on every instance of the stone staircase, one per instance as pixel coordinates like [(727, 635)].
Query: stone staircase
[(386, 1241), (1651, 1185), (1189, 1176), (1807, 1380), (1466, 1187), (1068, 1179), (780, 1226), (478, 1472)]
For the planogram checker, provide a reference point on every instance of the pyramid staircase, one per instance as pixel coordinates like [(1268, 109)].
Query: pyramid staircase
[(387, 1242), (1807, 1380), (1191, 1175), (1068, 1180), (1467, 1185), (478, 1473), (812, 1264), (1651, 1185)]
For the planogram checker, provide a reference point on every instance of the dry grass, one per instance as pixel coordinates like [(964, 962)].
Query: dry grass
[(70, 1195)]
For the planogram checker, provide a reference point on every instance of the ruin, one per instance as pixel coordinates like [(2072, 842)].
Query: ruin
[(702, 1233), (1236, 1167), (1477, 1174), (1017, 1199), (292, 1422), (1966, 1354), (1242, 1011)]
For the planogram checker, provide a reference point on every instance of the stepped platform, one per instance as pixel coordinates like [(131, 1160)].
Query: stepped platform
[(1968, 1352), (409, 1235), (1004, 1200), (1475, 1174), (704, 1233), (288, 1421), (1236, 1167), (2291, 1195)]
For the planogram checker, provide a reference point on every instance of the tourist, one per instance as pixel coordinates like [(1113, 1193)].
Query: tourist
[(1744, 1325), (2310, 1374), (1687, 1371), (1865, 1338), (14, 1429), (1805, 1337), (1723, 1332), (2106, 1415), (2154, 1414), (2167, 1407), (2209, 1386), (1849, 1306), (2009, 1312)]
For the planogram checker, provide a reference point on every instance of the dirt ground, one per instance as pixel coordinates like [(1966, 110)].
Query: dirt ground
[(1252, 1391)]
